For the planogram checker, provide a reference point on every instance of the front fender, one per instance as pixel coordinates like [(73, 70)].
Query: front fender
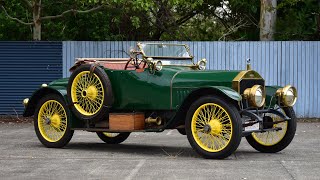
[(37, 95), (228, 92)]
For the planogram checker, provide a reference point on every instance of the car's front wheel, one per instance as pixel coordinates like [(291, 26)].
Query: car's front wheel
[(51, 122), (113, 138), (275, 141), (213, 127)]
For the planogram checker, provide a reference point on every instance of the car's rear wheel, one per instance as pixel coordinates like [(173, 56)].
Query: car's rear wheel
[(213, 127), (113, 138), (90, 92), (275, 141), (51, 121)]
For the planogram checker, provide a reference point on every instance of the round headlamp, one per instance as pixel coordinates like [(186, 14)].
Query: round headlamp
[(255, 95), (202, 64), (287, 95), (25, 102), (158, 65)]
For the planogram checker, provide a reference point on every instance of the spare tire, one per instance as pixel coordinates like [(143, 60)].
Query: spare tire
[(90, 93)]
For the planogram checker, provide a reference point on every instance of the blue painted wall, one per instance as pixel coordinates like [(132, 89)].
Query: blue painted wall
[(24, 66), (280, 63)]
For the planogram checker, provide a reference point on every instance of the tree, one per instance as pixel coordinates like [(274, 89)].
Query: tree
[(268, 17), (298, 20), (35, 7)]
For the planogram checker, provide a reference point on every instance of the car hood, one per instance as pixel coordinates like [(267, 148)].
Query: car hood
[(196, 78)]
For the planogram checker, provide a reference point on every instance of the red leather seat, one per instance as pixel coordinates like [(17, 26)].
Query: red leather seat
[(114, 65)]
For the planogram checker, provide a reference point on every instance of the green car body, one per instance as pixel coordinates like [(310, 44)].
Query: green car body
[(165, 90)]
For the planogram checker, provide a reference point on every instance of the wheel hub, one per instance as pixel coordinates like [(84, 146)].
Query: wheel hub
[(55, 120), (267, 122), (92, 92), (215, 127), (207, 128)]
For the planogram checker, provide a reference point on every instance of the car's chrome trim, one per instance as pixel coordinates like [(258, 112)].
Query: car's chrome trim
[(244, 75)]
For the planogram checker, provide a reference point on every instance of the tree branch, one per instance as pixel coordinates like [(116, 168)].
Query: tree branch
[(15, 19), (186, 17), (28, 3), (72, 11), (234, 29)]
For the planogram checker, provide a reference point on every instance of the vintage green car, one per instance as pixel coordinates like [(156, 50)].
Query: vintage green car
[(160, 87)]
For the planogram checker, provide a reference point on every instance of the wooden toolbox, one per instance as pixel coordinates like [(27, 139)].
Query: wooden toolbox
[(126, 121)]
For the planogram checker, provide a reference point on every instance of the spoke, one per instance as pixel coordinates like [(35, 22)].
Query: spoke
[(224, 138), (198, 124), (217, 113)]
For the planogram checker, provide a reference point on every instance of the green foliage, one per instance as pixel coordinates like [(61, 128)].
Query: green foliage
[(297, 20), (162, 20)]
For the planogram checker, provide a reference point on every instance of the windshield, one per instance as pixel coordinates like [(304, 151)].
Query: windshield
[(175, 51)]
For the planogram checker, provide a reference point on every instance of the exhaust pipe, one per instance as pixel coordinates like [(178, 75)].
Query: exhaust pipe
[(156, 120)]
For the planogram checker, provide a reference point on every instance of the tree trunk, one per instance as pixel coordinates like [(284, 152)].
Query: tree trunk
[(36, 19), (268, 15)]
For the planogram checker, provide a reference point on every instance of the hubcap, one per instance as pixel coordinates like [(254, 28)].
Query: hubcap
[(215, 126), (92, 92), (55, 121)]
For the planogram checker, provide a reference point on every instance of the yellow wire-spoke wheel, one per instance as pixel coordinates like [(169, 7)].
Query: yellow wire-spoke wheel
[(87, 93), (52, 121), (277, 140), (271, 138), (111, 135), (211, 127), (113, 138)]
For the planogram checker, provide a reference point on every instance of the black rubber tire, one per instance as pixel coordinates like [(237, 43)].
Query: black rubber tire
[(182, 131), (286, 140), (68, 134), (108, 95), (236, 124), (113, 140)]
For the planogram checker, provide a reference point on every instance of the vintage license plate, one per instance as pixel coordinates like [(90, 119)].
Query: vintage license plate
[(252, 128)]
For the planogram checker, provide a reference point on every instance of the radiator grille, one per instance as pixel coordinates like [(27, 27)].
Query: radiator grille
[(248, 83)]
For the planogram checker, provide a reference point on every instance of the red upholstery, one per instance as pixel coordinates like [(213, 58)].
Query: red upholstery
[(110, 63), (115, 66), (119, 65)]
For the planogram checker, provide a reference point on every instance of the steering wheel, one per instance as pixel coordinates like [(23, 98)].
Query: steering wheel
[(136, 64)]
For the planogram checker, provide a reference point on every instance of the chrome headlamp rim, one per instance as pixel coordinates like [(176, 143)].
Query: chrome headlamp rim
[(158, 66), (202, 64), (282, 93), (250, 95)]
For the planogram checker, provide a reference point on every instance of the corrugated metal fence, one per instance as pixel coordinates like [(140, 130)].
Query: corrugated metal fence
[(280, 63), (24, 66)]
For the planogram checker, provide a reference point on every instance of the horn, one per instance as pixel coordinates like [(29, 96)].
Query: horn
[(156, 120)]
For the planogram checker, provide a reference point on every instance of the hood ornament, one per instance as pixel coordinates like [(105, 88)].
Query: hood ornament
[(248, 64)]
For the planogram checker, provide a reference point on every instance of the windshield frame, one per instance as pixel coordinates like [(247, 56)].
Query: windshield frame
[(139, 44)]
